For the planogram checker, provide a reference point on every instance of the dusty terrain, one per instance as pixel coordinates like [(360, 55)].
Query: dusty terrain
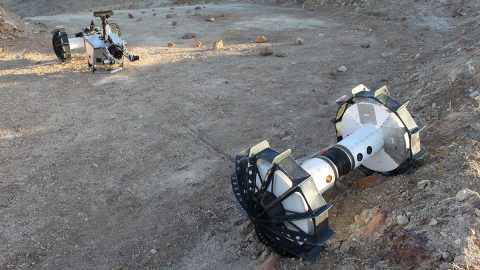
[(130, 171)]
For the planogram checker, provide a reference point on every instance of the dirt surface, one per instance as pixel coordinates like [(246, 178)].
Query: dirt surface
[(131, 170)]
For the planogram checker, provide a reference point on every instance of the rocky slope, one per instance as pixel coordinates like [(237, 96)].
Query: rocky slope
[(10, 25)]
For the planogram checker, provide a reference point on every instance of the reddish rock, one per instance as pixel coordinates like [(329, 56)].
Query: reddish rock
[(367, 182), (409, 249), (376, 220)]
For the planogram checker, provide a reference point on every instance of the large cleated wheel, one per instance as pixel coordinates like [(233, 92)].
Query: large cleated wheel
[(276, 194), (402, 140), (61, 46)]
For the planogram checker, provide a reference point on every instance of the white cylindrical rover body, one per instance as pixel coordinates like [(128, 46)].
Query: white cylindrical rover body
[(283, 197)]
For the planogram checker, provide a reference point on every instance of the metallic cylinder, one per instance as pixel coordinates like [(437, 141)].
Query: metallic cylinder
[(76, 43), (362, 144)]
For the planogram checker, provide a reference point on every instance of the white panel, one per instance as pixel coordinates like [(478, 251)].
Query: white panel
[(76, 43), (351, 115), (381, 115), (381, 162), (294, 202)]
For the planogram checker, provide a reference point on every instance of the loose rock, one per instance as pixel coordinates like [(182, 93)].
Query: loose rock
[(424, 184), (433, 222), (169, 16), (402, 220), (261, 39), (263, 256), (342, 69), (211, 19), (474, 94), (130, 16), (197, 14), (460, 259), (217, 45), (463, 194), (198, 7), (153, 251), (197, 44), (365, 45), (375, 221), (267, 51), (270, 263), (477, 212), (299, 41), (281, 54), (189, 36), (174, 23), (171, 45), (386, 55)]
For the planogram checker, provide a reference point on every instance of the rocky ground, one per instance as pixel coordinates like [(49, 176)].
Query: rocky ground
[(130, 171)]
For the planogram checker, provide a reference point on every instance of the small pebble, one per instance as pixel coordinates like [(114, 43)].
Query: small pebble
[(342, 69), (189, 36), (402, 220), (474, 94), (477, 212), (445, 255), (153, 251), (261, 39), (462, 195), (424, 184), (299, 41), (460, 259), (386, 55), (267, 51), (433, 222), (217, 45)]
